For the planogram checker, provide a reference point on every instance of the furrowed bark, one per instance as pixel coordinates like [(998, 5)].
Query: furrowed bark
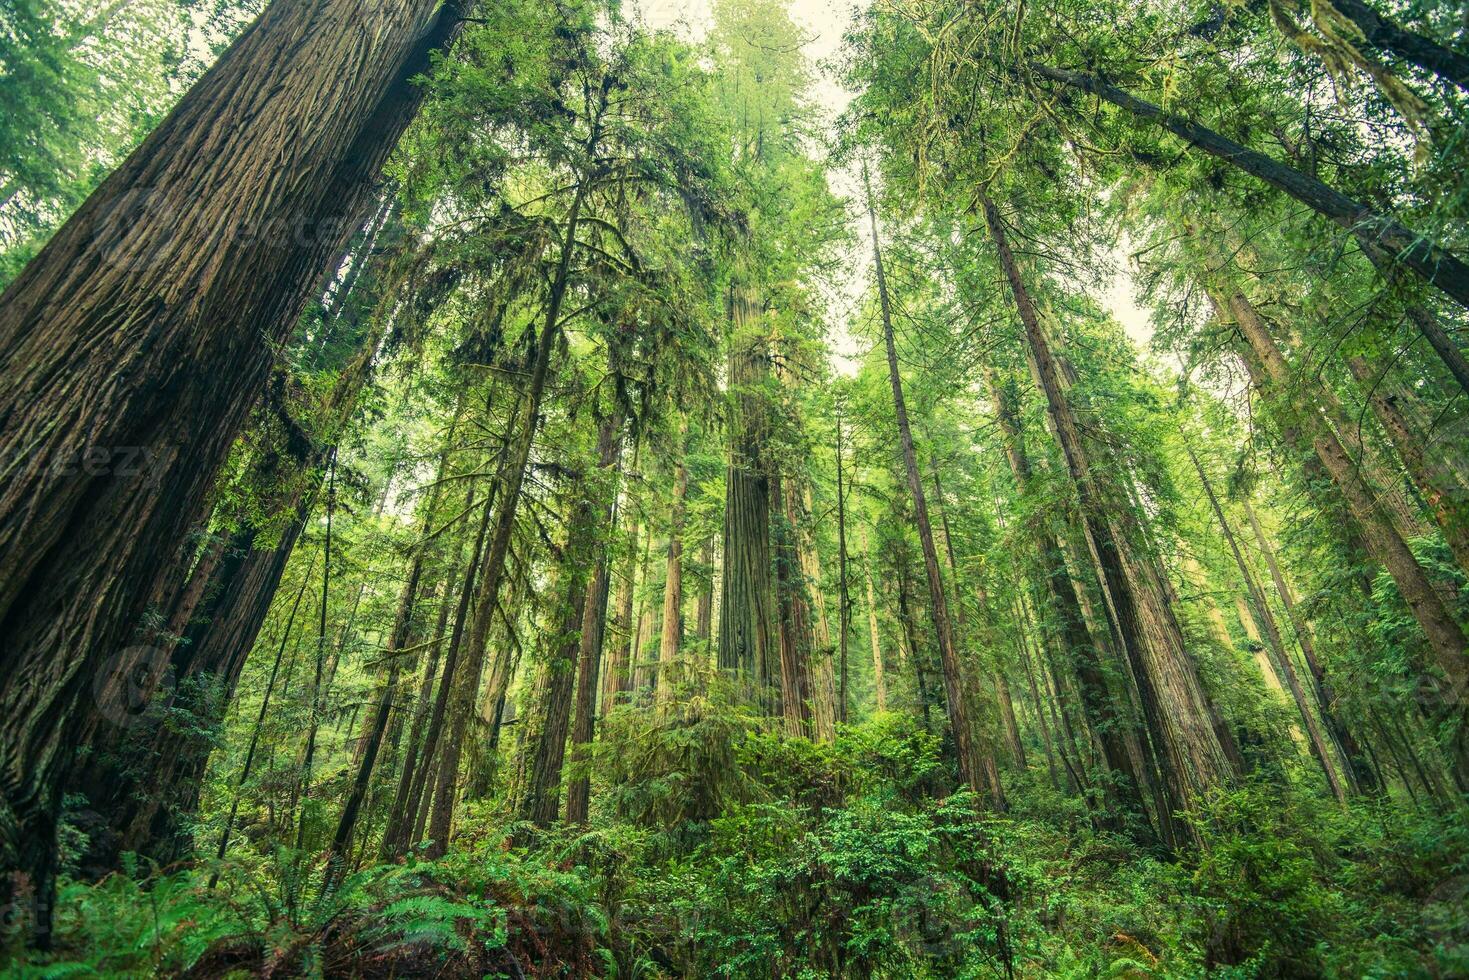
[(143, 331), (747, 616)]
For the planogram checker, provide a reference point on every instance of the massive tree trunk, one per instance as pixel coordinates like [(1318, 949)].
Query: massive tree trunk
[(972, 766), (1198, 755), (747, 616), (794, 623), (134, 344)]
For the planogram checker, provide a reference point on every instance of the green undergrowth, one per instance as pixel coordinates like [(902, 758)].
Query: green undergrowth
[(716, 849)]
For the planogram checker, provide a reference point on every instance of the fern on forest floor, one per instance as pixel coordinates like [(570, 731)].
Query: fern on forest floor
[(799, 859)]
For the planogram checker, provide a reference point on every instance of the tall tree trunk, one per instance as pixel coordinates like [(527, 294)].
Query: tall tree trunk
[(794, 615), (317, 694), (1199, 755), (909, 628), (971, 765), (398, 641), (747, 616), (401, 834), (704, 606), (594, 631), (823, 672), (1359, 772), (617, 674), (159, 310), (673, 579), (1125, 784), (1386, 35), (1433, 475), (1266, 617), (229, 821), (1445, 638), (844, 616), (878, 681), (512, 478), (578, 646), (1036, 704)]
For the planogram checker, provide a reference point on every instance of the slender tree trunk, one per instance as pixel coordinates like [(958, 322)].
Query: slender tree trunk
[(1283, 664), (229, 821), (1445, 638), (704, 606), (823, 670), (512, 477), (1125, 784), (1200, 755), (844, 616), (878, 681), (673, 579), (910, 630), (578, 648), (1386, 35), (971, 765), (317, 694), (1040, 714), (1007, 718), (1359, 773), (398, 641), (594, 623), (159, 309), (617, 675), (401, 835), (1446, 494)]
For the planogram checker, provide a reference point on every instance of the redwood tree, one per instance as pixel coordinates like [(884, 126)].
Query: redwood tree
[(133, 345)]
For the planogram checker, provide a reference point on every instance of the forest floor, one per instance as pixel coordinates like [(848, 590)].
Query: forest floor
[(724, 850)]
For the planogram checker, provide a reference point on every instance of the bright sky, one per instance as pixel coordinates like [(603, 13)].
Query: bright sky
[(824, 22)]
